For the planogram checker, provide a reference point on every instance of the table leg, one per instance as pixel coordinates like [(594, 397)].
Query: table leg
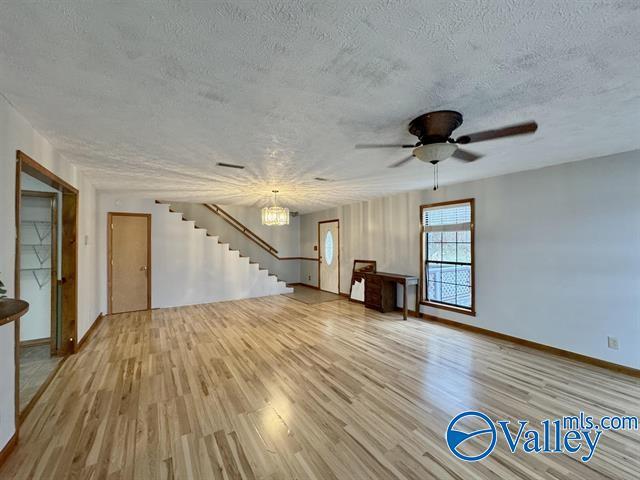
[(418, 299), (404, 301)]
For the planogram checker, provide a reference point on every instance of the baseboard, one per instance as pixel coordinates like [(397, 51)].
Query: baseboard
[(300, 284), (410, 313), (8, 448), (35, 342), (535, 345), (90, 332)]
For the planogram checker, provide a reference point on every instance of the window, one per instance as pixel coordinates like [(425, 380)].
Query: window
[(447, 253), (328, 248)]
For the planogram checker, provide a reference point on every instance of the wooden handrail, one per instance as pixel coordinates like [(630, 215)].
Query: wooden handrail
[(235, 223)]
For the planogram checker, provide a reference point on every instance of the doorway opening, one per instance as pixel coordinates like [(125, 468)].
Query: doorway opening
[(329, 256), (45, 277), (129, 262)]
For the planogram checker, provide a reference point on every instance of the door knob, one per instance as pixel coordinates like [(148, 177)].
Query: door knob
[(143, 268)]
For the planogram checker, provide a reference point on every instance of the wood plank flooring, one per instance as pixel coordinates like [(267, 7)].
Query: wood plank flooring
[(272, 388), (36, 364), (312, 296)]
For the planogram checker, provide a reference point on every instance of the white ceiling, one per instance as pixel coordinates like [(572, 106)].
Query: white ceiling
[(150, 96)]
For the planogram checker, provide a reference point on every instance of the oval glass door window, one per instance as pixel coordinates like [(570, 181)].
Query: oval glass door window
[(328, 248)]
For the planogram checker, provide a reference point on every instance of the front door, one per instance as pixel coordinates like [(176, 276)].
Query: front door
[(129, 262), (329, 241)]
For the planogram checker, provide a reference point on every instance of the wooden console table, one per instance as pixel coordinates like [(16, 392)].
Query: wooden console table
[(380, 291)]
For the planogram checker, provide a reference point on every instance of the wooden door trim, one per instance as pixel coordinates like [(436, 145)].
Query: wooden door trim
[(110, 216), (320, 250), (69, 305), (43, 174)]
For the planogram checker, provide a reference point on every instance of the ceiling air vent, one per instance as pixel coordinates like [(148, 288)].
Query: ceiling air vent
[(230, 165), (322, 179)]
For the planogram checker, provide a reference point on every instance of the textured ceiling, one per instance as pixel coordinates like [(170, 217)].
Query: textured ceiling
[(149, 97)]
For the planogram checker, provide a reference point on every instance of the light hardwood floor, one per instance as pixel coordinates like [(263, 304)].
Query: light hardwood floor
[(36, 364), (312, 296), (273, 388)]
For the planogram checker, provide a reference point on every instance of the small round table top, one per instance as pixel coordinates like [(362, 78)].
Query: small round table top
[(12, 309)]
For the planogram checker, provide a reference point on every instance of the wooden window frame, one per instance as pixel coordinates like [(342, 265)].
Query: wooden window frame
[(443, 306)]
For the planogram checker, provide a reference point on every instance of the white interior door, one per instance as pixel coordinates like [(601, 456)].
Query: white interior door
[(329, 256)]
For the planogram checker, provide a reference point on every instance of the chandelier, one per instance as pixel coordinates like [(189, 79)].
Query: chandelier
[(275, 215)]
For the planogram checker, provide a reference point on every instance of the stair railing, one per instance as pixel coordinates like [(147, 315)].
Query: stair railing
[(235, 223)]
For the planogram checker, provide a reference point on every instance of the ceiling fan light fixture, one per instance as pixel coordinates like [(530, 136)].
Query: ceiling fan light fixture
[(434, 152)]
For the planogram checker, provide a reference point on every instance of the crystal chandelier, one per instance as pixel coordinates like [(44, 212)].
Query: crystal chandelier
[(275, 215)]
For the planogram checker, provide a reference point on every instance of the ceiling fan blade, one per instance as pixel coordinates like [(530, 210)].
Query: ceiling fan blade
[(382, 145), (401, 162), (466, 155), (519, 129)]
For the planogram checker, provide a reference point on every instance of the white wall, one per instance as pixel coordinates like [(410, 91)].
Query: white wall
[(557, 257), (285, 239), (186, 266), (17, 134)]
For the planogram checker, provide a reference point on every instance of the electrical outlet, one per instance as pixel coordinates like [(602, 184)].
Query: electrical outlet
[(612, 343), (309, 278)]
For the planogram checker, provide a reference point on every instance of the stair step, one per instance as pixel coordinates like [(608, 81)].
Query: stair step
[(268, 283)]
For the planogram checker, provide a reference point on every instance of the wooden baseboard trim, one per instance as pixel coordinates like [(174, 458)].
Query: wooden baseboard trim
[(300, 284), (534, 345), (90, 332), (8, 448), (35, 342), (410, 313)]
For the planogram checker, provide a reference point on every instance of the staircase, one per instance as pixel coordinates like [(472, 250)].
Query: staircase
[(204, 269)]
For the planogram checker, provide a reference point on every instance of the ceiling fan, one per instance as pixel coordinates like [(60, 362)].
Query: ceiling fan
[(435, 143)]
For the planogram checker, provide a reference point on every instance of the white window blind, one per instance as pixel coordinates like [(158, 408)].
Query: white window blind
[(447, 253), (447, 218)]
